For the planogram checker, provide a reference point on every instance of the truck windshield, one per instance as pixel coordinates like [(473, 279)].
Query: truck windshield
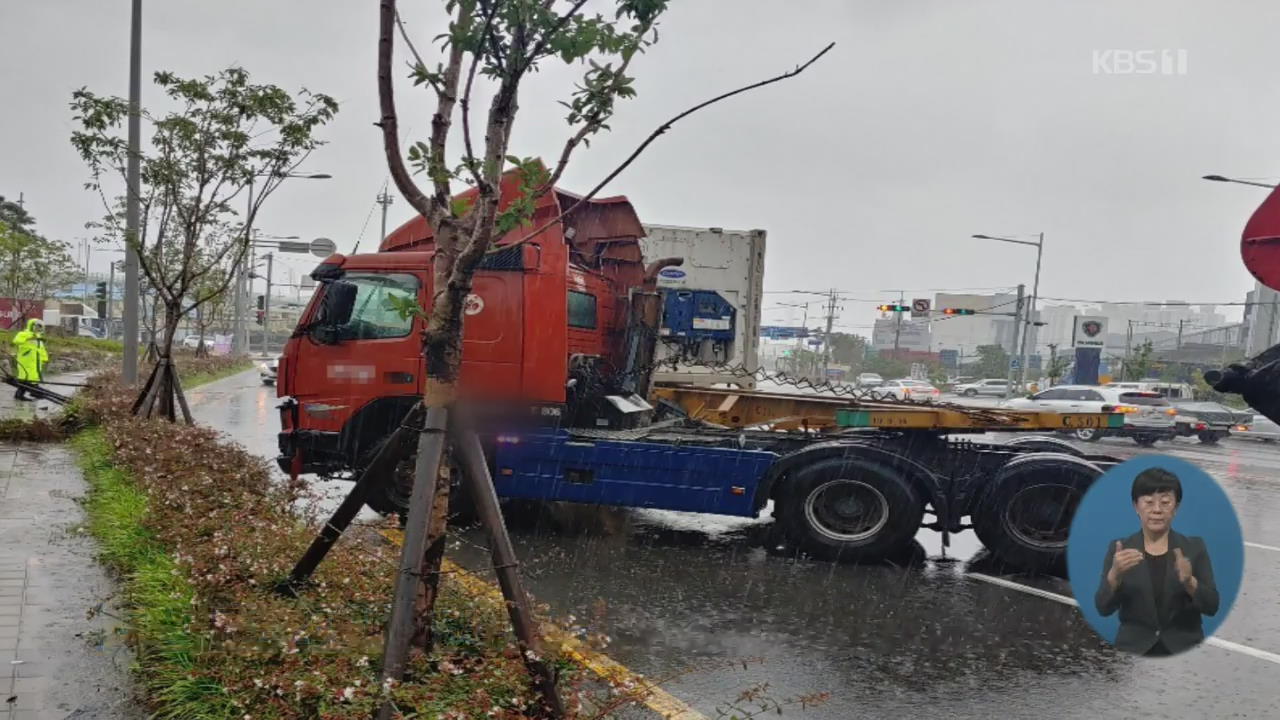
[(375, 314)]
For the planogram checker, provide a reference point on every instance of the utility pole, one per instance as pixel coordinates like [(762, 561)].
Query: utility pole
[(897, 330), (1017, 325), (1030, 317), (826, 339), (132, 196), (1053, 359), (240, 333), (384, 200), (1128, 350), (1180, 323), (111, 295), (266, 311)]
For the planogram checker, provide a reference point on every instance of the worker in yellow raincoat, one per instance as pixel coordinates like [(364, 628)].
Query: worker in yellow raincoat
[(32, 355)]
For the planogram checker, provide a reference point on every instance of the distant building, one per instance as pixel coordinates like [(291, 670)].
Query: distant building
[(911, 335), (1261, 319), (993, 323)]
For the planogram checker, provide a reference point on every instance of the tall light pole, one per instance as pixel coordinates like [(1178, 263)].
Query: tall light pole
[(131, 213), (1029, 317), (240, 339)]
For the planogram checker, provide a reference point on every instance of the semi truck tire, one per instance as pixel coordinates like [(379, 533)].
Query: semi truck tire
[(1025, 514), (390, 493), (850, 509), (1146, 440), (1041, 443), (1209, 438)]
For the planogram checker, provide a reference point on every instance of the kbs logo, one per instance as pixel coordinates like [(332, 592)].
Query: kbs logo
[(1139, 62)]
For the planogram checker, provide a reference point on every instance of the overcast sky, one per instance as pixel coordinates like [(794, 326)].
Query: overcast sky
[(928, 122)]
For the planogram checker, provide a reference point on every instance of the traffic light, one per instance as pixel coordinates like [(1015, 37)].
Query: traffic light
[(262, 303), (893, 308), (101, 292), (958, 311), (259, 316)]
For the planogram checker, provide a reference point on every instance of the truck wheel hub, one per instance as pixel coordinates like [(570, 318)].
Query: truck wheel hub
[(847, 510), (1040, 515)]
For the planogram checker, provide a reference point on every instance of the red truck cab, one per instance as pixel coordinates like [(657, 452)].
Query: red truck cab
[(541, 309)]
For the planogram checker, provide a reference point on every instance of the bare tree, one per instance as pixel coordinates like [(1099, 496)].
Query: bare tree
[(497, 43), (227, 137)]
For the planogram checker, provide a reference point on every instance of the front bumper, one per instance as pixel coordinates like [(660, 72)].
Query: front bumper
[(320, 451), (1165, 432)]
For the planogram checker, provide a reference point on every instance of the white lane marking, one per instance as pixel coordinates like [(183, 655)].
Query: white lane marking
[(1260, 546), (1216, 642)]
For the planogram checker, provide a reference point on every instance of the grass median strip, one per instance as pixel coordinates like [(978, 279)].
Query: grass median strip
[(199, 533), (649, 694)]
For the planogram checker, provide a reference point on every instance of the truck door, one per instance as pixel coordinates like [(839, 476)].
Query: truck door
[(376, 354)]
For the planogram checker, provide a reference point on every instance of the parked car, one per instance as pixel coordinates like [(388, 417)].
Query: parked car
[(1208, 421), (991, 386), (267, 371), (1259, 428), (1173, 391), (1148, 417), (191, 342), (907, 389), (869, 380)]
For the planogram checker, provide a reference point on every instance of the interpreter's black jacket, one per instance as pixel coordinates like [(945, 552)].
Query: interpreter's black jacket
[(1179, 623)]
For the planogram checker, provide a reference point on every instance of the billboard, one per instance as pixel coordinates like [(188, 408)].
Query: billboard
[(11, 311), (1089, 331)]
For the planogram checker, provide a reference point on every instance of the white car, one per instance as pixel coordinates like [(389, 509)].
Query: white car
[(907, 389), (869, 380), (267, 371), (1148, 417), (991, 386), (191, 341)]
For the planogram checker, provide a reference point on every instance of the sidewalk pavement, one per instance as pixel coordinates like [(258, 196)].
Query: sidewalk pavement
[(11, 408), (62, 652)]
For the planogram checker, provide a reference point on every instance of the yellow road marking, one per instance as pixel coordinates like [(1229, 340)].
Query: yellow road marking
[(655, 698)]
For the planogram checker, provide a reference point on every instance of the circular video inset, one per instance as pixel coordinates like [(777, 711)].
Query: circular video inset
[(1155, 556)]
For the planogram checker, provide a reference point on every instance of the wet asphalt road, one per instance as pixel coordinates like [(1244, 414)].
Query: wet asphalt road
[(676, 591)]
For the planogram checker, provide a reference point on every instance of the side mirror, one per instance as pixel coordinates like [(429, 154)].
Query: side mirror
[(335, 309), (338, 302)]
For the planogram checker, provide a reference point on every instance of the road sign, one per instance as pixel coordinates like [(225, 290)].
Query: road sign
[(815, 342), (1089, 332), (920, 307), (323, 247), (1015, 363), (949, 358)]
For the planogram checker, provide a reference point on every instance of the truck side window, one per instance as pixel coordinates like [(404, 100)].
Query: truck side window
[(582, 310), (375, 315)]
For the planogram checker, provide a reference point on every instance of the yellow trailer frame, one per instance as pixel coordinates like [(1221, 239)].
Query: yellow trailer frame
[(779, 411)]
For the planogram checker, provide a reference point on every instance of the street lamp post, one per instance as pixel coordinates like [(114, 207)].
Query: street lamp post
[(132, 198), (1029, 317), (241, 332), (1220, 178)]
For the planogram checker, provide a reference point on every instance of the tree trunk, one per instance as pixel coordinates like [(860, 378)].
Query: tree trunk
[(162, 395)]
